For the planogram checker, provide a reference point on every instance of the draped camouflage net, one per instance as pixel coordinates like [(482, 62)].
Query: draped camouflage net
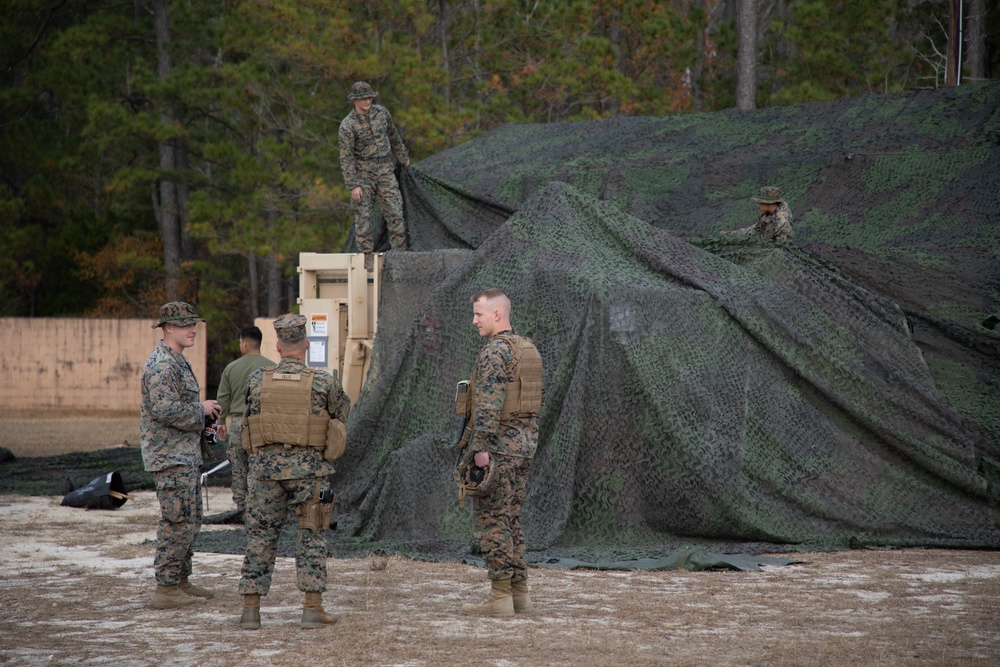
[(702, 392)]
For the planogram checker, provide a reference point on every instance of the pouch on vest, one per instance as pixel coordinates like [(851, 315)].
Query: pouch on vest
[(336, 440), (462, 397), (245, 439), (318, 514)]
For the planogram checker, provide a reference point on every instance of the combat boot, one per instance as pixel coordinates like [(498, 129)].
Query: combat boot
[(170, 597), (313, 614), (250, 620), (519, 593), (197, 591), (499, 603)]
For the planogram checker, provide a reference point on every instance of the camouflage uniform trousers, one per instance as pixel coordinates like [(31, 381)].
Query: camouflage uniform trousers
[(268, 503), (238, 461), (179, 494), (498, 519), (379, 184)]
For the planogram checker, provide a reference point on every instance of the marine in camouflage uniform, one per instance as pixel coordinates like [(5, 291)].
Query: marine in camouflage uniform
[(172, 420), (284, 478), (232, 398), (509, 445), (775, 221), (369, 143)]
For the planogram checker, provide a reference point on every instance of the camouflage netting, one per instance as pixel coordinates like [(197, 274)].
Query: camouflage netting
[(702, 393), (734, 395), (746, 398), (900, 192)]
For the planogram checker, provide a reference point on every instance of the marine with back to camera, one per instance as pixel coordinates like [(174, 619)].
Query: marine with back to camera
[(294, 429)]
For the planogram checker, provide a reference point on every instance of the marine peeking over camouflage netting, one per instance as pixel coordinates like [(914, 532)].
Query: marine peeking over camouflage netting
[(745, 399)]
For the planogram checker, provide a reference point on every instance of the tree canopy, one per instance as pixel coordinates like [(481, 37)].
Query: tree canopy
[(233, 108)]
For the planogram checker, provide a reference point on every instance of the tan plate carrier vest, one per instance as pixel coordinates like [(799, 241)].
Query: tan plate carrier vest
[(286, 416), (522, 395)]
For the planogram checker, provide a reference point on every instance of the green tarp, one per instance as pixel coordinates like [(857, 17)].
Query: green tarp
[(733, 396)]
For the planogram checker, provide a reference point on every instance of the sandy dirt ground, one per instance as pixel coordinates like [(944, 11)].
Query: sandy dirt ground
[(74, 586)]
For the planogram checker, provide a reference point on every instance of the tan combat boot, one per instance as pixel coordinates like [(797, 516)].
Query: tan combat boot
[(190, 589), (170, 597), (499, 603), (313, 615), (519, 592), (250, 620)]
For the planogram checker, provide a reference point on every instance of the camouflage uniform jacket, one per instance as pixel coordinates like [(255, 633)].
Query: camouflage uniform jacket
[(172, 418), (514, 437), (777, 226), (234, 379), (275, 461), (371, 137)]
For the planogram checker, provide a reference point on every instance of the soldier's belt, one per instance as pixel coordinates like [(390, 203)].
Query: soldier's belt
[(378, 160)]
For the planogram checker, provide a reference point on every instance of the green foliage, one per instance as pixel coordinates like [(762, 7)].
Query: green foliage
[(257, 90), (823, 50)]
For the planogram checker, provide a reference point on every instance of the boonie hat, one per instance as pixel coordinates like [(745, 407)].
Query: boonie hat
[(178, 313), (290, 327), (361, 90), (768, 194)]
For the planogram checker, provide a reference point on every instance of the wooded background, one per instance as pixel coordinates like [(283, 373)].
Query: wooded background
[(152, 150)]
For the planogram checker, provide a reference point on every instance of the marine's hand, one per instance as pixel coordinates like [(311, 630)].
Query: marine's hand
[(482, 459), (356, 195), (221, 432), (212, 408)]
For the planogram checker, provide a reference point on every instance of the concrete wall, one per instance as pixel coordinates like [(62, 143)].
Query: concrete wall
[(80, 364)]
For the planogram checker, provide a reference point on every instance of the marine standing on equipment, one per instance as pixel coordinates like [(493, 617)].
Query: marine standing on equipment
[(232, 398), (369, 143), (294, 428), (172, 420), (775, 221), (503, 401)]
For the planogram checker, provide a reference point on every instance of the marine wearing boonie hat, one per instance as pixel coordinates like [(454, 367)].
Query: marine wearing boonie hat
[(769, 194), (361, 90), (290, 327), (177, 313)]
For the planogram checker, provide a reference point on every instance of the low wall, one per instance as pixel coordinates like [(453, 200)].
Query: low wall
[(80, 364)]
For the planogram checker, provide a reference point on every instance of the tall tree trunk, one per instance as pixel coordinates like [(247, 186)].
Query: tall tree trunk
[(953, 70), (610, 103), (290, 292), (746, 61), (704, 44), (975, 53), (274, 291), (254, 286), (166, 202), (477, 49), (443, 36), (183, 189)]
